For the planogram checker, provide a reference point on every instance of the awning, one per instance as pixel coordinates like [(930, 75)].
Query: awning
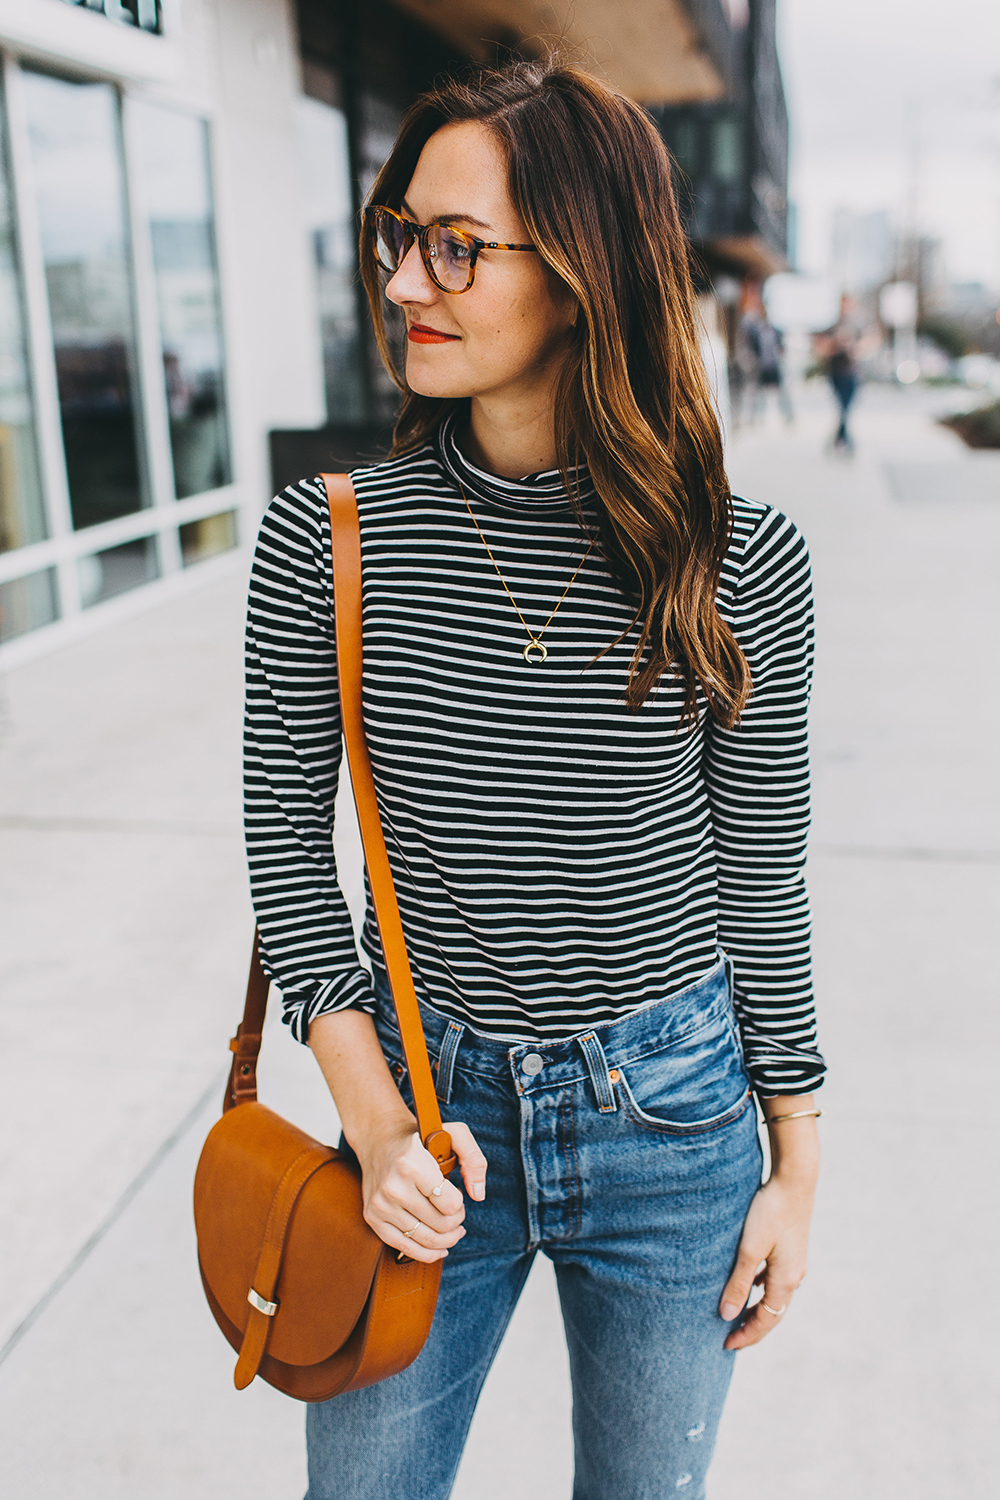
[(650, 49), (741, 255)]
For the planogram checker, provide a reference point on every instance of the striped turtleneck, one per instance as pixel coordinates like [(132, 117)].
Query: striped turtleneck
[(560, 859)]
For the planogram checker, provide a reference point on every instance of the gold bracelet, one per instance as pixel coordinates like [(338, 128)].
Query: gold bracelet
[(798, 1114)]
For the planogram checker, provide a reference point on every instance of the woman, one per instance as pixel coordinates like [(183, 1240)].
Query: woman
[(586, 673)]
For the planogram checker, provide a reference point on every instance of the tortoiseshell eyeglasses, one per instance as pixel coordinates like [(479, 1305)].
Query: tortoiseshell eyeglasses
[(449, 254)]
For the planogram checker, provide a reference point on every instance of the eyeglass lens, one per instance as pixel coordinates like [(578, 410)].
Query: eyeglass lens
[(389, 241), (447, 252)]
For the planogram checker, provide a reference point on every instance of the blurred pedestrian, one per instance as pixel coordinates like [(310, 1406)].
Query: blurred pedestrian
[(767, 347), (838, 347), (580, 652)]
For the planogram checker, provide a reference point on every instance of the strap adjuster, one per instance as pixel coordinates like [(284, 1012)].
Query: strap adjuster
[(267, 1308)]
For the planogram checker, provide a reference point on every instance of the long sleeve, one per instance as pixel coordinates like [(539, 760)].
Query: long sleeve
[(292, 742), (757, 776)]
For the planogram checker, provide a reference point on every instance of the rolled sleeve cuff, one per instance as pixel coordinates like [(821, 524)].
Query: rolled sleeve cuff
[(301, 1006), (782, 1070)]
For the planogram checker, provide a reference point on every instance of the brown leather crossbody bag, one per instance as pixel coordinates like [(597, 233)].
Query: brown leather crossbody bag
[(302, 1288)]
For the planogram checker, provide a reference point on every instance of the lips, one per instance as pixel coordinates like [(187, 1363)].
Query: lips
[(417, 333)]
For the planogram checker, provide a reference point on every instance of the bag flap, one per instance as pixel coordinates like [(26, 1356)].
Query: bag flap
[(330, 1253)]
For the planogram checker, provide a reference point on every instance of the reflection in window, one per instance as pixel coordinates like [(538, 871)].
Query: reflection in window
[(330, 219), (208, 537), (22, 515), (27, 603), (117, 570), (727, 150), (685, 145), (76, 151), (177, 194)]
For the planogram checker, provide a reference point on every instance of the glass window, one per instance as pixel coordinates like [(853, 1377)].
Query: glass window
[(117, 570), (685, 144), (727, 150), (76, 153), (177, 194), (22, 513), (26, 603), (144, 13), (330, 219), (208, 537)]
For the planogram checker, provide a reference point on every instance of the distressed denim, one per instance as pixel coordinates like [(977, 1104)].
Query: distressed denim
[(628, 1155)]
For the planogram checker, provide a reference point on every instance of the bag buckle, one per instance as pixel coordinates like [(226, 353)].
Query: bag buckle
[(256, 1300)]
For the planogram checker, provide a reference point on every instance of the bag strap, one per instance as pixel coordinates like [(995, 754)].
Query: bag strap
[(345, 538), (345, 535)]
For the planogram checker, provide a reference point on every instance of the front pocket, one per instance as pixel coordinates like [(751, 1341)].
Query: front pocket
[(677, 1127), (689, 1088)]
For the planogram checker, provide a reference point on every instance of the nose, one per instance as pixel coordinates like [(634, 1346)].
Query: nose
[(411, 282)]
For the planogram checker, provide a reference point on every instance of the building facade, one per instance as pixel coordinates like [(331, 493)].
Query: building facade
[(731, 154), (181, 324)]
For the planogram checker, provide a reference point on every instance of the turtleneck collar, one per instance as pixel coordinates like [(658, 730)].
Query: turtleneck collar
[(542, 492)]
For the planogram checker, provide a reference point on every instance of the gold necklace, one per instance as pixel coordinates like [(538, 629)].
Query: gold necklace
[(535, 643)]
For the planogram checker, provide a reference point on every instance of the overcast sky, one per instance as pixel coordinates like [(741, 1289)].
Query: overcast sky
[(857, 74)]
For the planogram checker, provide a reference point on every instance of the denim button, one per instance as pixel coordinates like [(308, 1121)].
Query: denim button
[(532, 1064)]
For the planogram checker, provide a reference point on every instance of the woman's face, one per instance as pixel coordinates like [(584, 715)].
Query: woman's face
[(505, 333)]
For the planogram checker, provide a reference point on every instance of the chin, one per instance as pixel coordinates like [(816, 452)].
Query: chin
[(435, 383)]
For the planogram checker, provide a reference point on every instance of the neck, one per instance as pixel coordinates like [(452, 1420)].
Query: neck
[(511, 438)]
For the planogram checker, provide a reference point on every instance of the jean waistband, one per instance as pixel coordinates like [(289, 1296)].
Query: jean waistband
[(592, 1052)]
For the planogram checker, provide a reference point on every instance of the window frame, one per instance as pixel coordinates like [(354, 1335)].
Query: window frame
[(164, 515)]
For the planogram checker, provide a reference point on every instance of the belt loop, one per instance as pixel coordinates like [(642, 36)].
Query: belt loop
[(597, 1067), (730, 973), (446, 1061)]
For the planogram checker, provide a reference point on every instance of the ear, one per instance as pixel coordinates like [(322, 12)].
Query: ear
[(571, 305), (564, 298)]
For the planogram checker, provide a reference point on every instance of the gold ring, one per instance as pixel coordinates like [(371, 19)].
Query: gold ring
[(437, 1191), (409, 1233), (775, 1312)]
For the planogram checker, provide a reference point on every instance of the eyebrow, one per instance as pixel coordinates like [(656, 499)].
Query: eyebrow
[(446, 218)]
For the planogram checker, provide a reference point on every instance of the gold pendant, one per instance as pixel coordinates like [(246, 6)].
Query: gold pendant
[(533, 645)]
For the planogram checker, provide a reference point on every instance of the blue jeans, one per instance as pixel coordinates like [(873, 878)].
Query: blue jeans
[(628, 1155)]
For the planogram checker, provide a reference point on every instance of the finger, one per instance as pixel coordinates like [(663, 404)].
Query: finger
[(416, 1232), (765, 1315), (409, 1200), (410, 1249), (404, 1244), (400, 1202), (737, 1288), (417, 1186), (440, 1195), (413, 1239), (471, 1160)]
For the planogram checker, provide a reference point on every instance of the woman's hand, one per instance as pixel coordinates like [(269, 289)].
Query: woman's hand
[(404, 1190), (402, 1185), (773, 1250)]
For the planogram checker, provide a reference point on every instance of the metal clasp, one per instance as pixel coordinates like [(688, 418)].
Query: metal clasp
[(267, 1308)]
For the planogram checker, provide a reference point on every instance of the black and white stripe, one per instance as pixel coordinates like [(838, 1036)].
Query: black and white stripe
[(559, 859)]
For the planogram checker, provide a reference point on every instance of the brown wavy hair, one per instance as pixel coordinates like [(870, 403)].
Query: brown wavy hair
[(591, 179)]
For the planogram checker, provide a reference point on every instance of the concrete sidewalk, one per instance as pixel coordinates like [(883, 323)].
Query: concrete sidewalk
[(126, 924)]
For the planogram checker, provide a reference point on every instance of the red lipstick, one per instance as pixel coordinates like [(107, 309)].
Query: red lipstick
[(418, 333)]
